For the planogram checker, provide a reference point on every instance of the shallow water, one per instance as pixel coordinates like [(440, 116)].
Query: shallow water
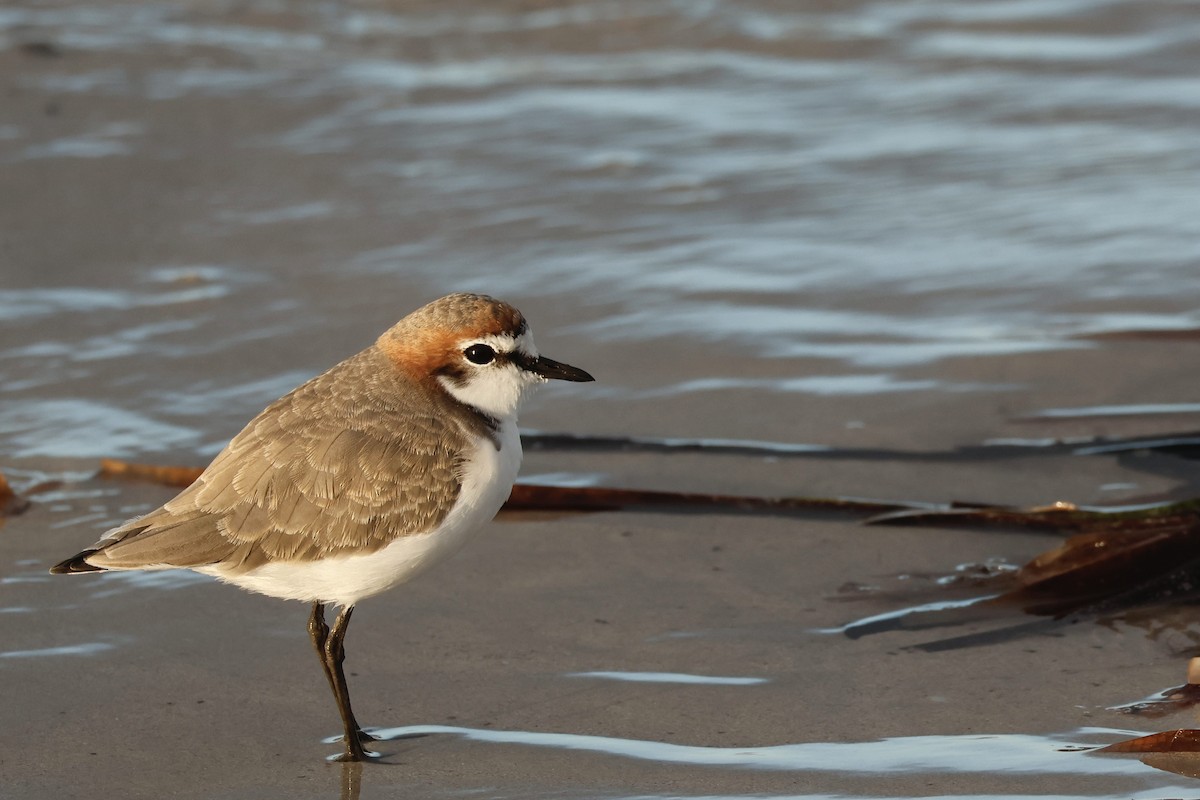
[(994, 755), (939, 754), (766, 180)]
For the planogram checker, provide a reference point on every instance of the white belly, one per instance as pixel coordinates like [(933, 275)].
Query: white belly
[(344, 580)]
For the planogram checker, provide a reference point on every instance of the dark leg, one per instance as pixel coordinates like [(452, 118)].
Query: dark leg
[(335, 654), (318, 631), (330, 650)]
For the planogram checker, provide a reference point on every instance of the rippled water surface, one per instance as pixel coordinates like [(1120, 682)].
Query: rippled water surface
[(809, 224), (870, 185)]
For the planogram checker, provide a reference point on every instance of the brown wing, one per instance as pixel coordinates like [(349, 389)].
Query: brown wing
[(349, 461)]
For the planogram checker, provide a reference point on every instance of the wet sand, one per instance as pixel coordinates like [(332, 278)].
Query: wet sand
[(194, 689), (196, 219)]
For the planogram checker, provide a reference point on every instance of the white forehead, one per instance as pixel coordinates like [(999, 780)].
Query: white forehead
[(505, 342)]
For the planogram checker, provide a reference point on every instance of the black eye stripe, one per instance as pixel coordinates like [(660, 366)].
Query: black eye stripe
[(522, 360)]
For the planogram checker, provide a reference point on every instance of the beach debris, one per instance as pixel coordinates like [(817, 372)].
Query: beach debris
[(1186, 740), (40, 48), (167, 476), (1165, 703), (1146, 334), (537, 497), (1124, 562), (1184, 444), (1175, 751), (1058, 515), (1099, 565), (10, 502), (1168, 701), (1114, 557)]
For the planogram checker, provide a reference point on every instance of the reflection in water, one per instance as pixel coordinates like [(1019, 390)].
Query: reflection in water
[(1007, 753), (913, 618), (85, 649), (351, 773), (1131, 410), (114, 583), (1012, 754), (1146, 795), (668, 677), (1186, 764)]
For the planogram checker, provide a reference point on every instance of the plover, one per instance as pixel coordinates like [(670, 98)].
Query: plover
[(359, 479)]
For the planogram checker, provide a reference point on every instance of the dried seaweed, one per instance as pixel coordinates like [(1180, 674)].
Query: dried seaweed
[(10, 502), (1167, 702), (533, 497), (1112, 556), (167, 476), (1186, 740), (1059, 515), (1182, 443), (1175, 751)]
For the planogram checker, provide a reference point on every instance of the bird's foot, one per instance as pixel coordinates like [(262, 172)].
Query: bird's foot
[(354, 748), (355, 752)]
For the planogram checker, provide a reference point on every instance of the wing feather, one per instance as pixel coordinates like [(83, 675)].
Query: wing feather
[(347, 462)]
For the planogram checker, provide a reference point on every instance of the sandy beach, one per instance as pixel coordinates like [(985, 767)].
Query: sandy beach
[(560, 654), (209, 206)]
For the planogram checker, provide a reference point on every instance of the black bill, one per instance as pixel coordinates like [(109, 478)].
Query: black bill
[(549, 368)]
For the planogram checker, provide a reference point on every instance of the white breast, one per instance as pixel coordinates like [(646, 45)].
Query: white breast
[(344, 580)]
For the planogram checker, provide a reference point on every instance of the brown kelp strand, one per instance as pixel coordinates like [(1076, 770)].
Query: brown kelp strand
[(1186, 740), (10, 502), (1165, 703), (1060, 515), (1152, 334), (534, 497), (531, 497), (1115, 558), (1176, 751), (167, 476), (1107, 569), (1091, 573), (1184, 443)]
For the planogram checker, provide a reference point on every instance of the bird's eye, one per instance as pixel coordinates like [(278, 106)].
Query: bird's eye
[(480, 354)]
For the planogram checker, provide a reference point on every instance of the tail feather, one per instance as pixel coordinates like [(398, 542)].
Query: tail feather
[(76, 563)]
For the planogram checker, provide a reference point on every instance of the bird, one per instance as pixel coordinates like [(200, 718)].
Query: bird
[(357, 480)]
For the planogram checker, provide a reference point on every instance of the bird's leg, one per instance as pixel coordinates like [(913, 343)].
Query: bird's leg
[(318, 631), (335, 654)]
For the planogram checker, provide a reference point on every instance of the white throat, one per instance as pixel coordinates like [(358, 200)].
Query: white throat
[(498, 388)]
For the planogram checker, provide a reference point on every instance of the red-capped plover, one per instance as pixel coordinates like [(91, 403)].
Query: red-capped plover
[(359, 479)]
